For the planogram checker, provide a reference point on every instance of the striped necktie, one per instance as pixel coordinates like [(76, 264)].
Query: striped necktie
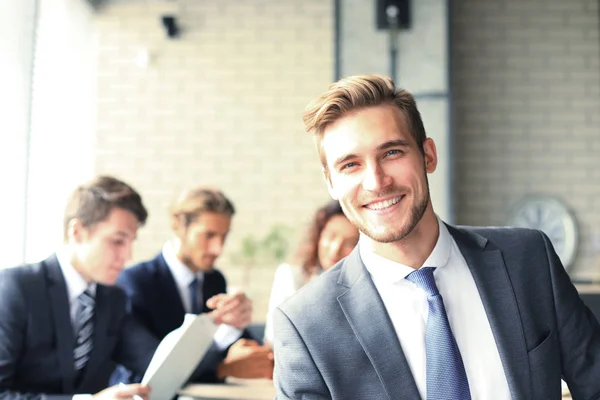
[(84, 332), (446, 376)]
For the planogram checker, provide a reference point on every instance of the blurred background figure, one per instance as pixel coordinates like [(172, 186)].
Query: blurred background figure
[(63, 324), (330, 238), (182, 278)]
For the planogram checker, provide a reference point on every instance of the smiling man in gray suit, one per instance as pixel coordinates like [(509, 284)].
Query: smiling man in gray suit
[(422, 309)]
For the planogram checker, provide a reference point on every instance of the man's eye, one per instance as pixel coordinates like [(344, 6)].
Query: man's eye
[(349, 165), (118, 242), (393, 152)]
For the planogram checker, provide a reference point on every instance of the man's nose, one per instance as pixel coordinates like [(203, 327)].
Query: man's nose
[(375, 177), (126, 253), (216, 246)]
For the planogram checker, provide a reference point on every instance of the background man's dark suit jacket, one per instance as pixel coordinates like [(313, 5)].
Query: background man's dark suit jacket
[(337, 328), (37, 337), (155, 302)]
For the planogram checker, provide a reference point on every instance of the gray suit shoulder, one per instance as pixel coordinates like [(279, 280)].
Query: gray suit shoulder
[(317, 294), (504, 235)]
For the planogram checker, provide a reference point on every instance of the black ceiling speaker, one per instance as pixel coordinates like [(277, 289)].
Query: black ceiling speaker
[(170, 24), (402, 10)]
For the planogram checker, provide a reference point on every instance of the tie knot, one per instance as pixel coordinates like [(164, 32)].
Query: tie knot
[(424, 279), (86, 298), (194, 284)]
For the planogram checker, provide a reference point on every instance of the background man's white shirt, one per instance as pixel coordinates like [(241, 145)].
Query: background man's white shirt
[(183, 276)]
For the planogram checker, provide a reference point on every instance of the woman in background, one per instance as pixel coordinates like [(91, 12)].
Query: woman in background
[(331, 237)]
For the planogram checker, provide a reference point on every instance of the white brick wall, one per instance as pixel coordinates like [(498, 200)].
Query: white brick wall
[(526, 76), (221, 105)]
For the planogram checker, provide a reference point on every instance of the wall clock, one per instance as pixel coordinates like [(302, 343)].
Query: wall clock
[(551, 216)]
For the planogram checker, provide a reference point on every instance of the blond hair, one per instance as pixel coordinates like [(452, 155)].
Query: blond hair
[(356, 92), (200, 199)]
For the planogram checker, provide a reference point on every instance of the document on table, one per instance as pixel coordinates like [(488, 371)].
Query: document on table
[(177, 356)]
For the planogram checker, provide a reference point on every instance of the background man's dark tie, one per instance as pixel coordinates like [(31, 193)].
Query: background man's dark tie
[(195, 304), (84, 332)]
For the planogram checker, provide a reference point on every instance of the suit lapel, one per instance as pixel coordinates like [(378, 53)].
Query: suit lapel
[(100, 353), (493, 283), (170, 294), (169, 312), (370, 322), (60, 307)]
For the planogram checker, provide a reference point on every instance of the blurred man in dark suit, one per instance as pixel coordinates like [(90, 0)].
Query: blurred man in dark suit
[(62, 323), (182, 279)]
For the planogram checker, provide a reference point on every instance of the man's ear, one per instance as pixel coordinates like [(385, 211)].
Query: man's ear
[(76, 232), (178, 224), (430, 154), (327, 177)]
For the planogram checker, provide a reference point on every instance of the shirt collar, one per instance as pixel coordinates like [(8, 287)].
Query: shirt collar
[(76, 285), (391, 271), (181, 273)]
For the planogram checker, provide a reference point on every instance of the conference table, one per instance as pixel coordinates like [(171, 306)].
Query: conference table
[(232, 389)]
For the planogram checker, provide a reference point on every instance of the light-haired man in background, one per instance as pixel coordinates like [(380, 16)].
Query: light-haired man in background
[(183, 278)]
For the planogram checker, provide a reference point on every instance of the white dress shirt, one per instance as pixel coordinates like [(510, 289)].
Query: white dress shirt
[(183, 276), (76, 285), (407, 306)]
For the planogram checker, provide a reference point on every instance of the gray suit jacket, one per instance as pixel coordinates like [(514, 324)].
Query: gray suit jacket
[(335, 340)]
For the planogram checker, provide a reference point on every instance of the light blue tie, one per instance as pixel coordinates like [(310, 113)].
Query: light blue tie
[(195, 304), (446, 376)]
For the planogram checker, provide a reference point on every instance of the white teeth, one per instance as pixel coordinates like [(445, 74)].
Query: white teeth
[(384, 204)]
